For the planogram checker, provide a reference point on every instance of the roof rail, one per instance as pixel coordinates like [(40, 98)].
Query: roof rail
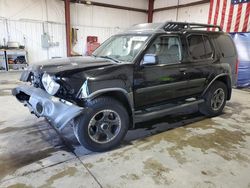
[(180, 26)]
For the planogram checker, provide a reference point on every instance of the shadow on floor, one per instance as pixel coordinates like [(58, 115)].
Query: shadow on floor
[(171, 121)]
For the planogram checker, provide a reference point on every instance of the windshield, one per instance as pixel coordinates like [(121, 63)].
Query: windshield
[(121, 48)]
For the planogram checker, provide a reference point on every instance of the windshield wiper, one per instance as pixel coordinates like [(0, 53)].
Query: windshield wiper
[(111, 58)]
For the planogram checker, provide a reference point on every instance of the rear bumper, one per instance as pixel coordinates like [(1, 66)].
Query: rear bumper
[(42, 104)]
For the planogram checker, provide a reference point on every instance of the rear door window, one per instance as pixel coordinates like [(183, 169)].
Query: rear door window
[(208, 47), (200, 47)]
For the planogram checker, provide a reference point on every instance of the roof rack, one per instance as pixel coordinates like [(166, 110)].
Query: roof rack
[(180, 26)]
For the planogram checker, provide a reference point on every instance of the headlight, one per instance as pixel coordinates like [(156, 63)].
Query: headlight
[(49, 84)]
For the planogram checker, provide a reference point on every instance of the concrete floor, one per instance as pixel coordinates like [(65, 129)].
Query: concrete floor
[(184, 149)]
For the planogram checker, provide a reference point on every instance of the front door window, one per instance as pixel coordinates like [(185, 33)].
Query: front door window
[(167, 49)]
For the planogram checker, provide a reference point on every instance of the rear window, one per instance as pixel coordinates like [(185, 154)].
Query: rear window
[(226, 45)]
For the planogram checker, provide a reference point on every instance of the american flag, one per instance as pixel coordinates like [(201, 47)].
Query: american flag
[(231, 15)]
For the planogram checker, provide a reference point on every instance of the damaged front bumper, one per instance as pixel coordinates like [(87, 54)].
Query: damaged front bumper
[(42, 104)]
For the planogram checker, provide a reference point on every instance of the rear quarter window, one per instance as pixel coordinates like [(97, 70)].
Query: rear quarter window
[(226, 45)]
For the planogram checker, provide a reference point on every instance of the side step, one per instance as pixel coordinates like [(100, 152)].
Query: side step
[(161, 111)]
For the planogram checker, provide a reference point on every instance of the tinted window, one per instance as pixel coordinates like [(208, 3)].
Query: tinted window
[(226, 45), (200, 47), (167, 49), (196, 46), (208, 47)]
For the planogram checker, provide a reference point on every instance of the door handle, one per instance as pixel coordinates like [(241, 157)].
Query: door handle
[(182, 69)]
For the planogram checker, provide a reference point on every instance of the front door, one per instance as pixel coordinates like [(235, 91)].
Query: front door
[(165, 80)]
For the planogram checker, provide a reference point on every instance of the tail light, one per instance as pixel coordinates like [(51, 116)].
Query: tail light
[(237, 66)]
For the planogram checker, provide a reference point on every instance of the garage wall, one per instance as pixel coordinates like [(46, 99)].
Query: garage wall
[(197, 13), (26, 20)]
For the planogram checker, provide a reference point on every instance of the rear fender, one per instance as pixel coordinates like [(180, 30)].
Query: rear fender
[(226, 79)]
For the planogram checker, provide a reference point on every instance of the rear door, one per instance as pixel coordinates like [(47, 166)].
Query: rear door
[(201, 58)]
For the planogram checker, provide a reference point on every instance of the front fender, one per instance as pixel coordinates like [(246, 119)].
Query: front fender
[(127, 95)]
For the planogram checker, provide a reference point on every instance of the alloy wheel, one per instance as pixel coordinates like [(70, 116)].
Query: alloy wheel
[(104, 126), (218, 99)]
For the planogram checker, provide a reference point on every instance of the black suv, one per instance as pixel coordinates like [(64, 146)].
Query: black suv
[(141, 74)]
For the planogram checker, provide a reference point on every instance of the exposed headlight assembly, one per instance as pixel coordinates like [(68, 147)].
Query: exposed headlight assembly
[(50, 85)]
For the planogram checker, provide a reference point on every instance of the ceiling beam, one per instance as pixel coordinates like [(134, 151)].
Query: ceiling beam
[(109, 5)]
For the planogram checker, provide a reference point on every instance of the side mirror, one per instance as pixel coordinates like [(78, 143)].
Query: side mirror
[(150, 59)]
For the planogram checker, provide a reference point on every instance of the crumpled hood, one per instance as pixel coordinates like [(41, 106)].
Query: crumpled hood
[(71, 64)]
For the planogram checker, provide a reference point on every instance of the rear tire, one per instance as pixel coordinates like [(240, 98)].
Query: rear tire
[(104, 125), (215, 99)]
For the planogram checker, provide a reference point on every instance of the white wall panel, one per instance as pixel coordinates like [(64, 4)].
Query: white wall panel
[(164, 3), (197, 13), (18, 9), (163, 16), (114, 18), (28, 34), (32, 10), (105, 17), (57, 34), (3, 32), (168, 3), (81, 14), (56, 12)]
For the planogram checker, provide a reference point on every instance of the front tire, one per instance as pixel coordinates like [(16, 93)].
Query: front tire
[(103, 126), (215, 100)]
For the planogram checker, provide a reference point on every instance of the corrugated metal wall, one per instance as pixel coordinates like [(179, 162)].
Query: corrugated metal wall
[(57, 34), (197, 13), (2, 30), (29, 34)]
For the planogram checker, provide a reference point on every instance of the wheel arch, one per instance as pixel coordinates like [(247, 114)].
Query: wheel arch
[(226, 79), (121, 95)]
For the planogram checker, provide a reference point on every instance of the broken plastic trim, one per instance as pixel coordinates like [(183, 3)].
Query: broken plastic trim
[(42, 104)]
